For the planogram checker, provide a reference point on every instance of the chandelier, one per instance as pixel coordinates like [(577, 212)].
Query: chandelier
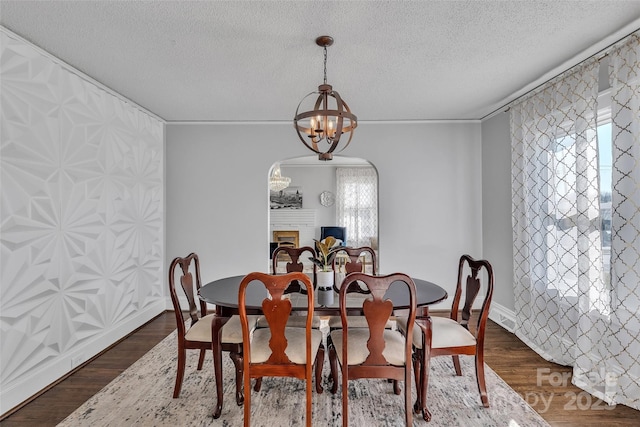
[(277, 182), (322, 127)]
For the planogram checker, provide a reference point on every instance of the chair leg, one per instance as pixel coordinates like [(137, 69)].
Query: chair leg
[(308, 393), (421, 368), (217, 371), (424, 383), (318, 369), (201, 359), (456, 365), (396, 387), (247, 398), (182, 359), (333, 364), (408, 412), (417, 372), (345, 395), (239, 364), (258, 384), (425, 361), (482, 387)]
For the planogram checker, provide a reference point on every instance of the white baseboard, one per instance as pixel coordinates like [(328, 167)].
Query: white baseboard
[(503, 316), (37, 380)]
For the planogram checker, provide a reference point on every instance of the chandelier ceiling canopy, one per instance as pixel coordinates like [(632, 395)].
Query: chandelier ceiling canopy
[(328, 120)]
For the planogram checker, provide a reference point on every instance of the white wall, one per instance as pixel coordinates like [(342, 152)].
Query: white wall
[(314, 180), (497, 231), (429, 192), (82, 217)]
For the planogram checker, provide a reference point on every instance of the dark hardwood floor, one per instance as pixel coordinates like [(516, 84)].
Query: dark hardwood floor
[(536, 380)]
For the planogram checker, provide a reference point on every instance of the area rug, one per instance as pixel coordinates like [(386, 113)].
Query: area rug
[(142, 396)]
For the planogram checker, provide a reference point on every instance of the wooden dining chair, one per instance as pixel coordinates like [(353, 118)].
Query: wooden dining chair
[(197, 334), (299, 320), (451, 336), (353, 265), (294, 264), (354, 262), (375, 351), (279, 350)]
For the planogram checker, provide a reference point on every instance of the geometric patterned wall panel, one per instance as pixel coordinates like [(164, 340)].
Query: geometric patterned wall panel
[(81, 210)]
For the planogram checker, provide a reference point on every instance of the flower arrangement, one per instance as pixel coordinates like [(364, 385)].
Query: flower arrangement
[(327, 249)]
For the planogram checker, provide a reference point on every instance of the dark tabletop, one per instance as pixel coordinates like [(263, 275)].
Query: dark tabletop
[(224, 294)]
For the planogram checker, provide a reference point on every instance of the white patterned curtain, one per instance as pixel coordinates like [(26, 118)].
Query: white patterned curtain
[(612, 372), (357, 204), (567, 308)]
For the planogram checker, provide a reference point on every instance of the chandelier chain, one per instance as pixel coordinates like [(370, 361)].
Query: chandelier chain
[(325, 65)]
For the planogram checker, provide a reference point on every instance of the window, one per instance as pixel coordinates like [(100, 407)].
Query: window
[(357, 204), (562, 265), (605, 168)]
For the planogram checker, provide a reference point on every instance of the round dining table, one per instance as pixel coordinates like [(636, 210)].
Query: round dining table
[(224, 294)]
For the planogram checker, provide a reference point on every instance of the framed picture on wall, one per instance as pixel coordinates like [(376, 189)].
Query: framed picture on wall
[(289, 198)]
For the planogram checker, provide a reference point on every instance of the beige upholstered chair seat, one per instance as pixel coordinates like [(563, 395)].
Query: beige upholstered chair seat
[(294, 322), (445, 332), (231, 331), (354, 322), (296, 341), (357, 346)]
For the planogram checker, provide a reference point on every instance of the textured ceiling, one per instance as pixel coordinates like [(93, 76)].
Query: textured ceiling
[(254, 61)]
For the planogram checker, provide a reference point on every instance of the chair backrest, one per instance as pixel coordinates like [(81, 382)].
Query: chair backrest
[(473, 269), (294, 254), (340, 233), (276, 309), (295, 264), (189, 266), (354, 265), (377, 311)]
